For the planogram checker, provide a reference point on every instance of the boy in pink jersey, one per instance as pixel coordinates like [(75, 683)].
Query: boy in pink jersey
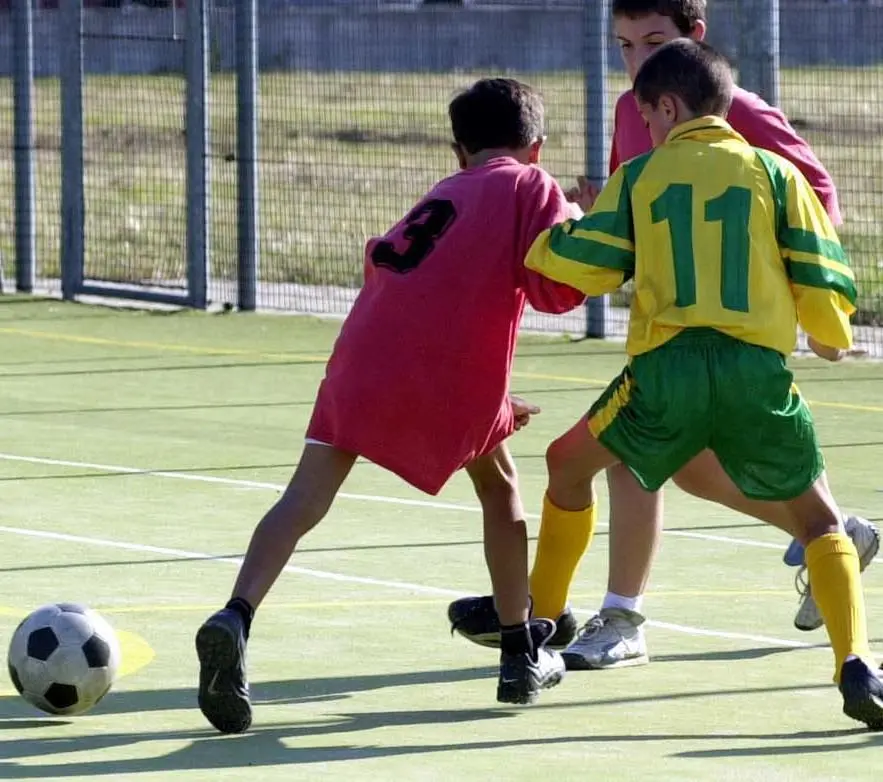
[(418, 382), (614, 636)]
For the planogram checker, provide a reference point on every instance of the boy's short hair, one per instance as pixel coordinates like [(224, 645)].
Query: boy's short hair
[(684, 13), (693, 71), (496, 114)]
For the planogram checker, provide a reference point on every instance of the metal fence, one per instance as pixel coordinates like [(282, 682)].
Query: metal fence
[(346, 127)]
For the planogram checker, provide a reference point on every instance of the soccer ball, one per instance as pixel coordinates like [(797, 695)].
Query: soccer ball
[(63, 658)]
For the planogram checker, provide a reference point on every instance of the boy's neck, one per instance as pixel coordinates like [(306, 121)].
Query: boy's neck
[(487, 155)]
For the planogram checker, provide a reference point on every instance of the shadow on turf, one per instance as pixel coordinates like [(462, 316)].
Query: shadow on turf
[(874, 740), (271, 693), (731, 654), (270, 744)]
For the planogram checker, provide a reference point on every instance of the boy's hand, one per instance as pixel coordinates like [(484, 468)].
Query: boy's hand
[(522, 410), (584, 194), (824, 351)]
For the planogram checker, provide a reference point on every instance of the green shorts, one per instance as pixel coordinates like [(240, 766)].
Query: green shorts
[(704, 389)]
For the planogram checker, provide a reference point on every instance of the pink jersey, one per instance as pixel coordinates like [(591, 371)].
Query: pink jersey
[(418, 379), (759, 123)]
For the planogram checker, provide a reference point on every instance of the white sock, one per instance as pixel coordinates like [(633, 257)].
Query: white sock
[(612, 600)]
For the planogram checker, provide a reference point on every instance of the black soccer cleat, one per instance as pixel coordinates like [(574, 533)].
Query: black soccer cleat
[(522, 676), (862, 692), (475, 618), (223, 683)]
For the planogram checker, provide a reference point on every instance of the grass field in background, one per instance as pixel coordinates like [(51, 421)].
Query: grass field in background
[(138, 451), (345, 154)]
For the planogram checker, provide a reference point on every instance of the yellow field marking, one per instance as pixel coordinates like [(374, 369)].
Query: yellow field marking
[(311, 605), (136, 652), (563, 379), (313, 358), (160, 346)]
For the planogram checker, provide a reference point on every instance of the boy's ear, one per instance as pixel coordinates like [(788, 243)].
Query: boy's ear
[(669, 107), (460, 153), (534, 155), (698, 31)]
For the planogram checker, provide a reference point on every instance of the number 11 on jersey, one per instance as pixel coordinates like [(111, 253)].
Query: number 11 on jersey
[(732, 210)]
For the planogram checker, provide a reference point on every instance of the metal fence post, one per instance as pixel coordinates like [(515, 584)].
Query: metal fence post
[(23, 143), (247, 152), (596, 20), (759, 48), (196, 66), (72, 251)]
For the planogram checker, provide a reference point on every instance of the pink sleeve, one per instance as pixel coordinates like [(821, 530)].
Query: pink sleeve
[(542, 293), (614, 153), (766, 127)]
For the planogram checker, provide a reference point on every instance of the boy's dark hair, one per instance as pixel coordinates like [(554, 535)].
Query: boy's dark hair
[(693, 71), (684, 13), (496, 114)]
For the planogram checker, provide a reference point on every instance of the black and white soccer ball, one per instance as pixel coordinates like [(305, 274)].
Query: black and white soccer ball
[(64, 658)]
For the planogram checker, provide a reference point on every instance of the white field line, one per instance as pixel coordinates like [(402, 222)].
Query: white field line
[(401, 585), (246, 484), (376, 582)]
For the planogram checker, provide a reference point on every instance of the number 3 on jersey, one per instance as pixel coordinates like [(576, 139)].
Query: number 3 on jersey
[(425, 225), (732, 210)]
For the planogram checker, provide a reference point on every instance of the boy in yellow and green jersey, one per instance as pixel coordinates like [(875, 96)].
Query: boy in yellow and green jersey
[(729, 249)]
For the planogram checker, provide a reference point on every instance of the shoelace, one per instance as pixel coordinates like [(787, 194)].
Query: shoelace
[(801, 582), (594, 625)]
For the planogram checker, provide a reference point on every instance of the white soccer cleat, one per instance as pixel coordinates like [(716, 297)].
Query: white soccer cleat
[(866, 538), (612, 638)]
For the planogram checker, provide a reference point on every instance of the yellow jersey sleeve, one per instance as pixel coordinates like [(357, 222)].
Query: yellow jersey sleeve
[(821, 279), (595, 254)]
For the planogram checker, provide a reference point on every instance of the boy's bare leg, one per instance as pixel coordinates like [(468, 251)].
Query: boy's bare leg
[(221, 641), (635, 532), (316, 480), (614, 636), (526, 666), (505, 533), (704, 477)]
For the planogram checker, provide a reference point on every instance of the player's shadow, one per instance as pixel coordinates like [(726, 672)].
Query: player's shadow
[(270, 745), (755, 653), (26, 724), (265, 693), (874, 740)]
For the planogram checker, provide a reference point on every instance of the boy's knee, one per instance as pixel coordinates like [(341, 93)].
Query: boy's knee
[(564, 466), (556, 457), (495, 481), (303, 509)]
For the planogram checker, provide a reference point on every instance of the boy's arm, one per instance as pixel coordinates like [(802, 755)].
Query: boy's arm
[(822, 282), (595, 254), (766, 127), (544, 294)]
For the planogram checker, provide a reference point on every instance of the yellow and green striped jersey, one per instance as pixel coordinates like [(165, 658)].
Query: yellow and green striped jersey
[(716, 234)]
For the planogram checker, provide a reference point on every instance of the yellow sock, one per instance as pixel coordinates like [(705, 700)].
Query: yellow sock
[(835, 581), (564, 537)]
